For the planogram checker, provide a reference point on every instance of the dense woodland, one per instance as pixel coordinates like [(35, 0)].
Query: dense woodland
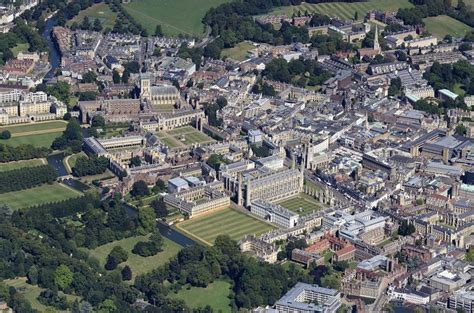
[(28, 177), (90, 166), (71, 139), (299, 72), (21, 152)]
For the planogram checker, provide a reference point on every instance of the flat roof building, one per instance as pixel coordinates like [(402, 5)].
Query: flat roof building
[(309, 299)]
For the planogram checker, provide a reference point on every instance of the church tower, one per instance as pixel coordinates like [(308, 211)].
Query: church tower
[(145, 86), (376, 40)]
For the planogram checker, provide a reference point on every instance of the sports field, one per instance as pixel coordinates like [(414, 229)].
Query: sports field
[(216, 295), (302, 204), (39, 195), (138, 264), (239, 52), (442, 25), (175, 16), (100, 11), (223, 222), (40, 134), (21, 164), (344, 10), (183, 136)]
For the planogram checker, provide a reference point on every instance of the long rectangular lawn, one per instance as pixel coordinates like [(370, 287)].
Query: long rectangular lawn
[(21, 164), (37, 140), (223, 222), (33, 127), (344, 10), (39, 195)]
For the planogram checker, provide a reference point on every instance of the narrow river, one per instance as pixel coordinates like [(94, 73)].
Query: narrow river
[(54, 55)]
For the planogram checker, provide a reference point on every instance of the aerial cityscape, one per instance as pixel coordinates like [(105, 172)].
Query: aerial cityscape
[(248, 156)]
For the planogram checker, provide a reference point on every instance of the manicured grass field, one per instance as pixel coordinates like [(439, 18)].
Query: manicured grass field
[(183, 136), (99, 11), (31, 292), (223, 222), (345, 10), (239, 52), (34, 127), (216, 295), (41, 134), (138, 264), (442, 25), (175, 17), (301, 204), (38, 140), (21, 164), (38, 195)]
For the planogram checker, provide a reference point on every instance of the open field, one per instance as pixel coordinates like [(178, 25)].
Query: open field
[(239, 52), (34, 127), (21, 164), (99, 11), (442, 25), (40, 134), (175, 17), (223, 222), (39, 140), (138, 264), (301, 204), (183, 136), (216, 295), (344, 10), (31, 292), (39, 195)]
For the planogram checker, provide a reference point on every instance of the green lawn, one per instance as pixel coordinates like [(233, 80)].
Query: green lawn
[(34, 127), (301, 204), (21, 164), (223, 222), (183, 136), (239, 52), (99, 11), (442, 25), (41, 134), (138, 264), (344, 10), (181, 130), (21, 47), (38, 140), (38, 195), (175, 16), (216, 295), (31, 292)]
